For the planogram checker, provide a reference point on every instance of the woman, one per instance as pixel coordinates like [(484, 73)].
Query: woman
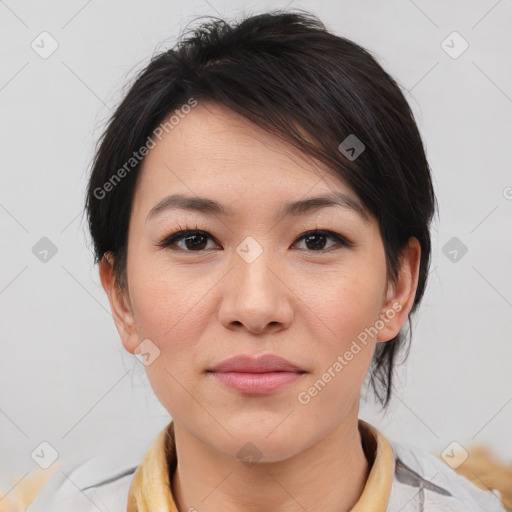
[(260, 207)]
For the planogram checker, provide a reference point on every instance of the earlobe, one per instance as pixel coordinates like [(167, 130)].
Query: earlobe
[(120, 305), (400, 295)]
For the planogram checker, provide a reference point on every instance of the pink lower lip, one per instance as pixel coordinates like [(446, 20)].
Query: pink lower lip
[(256, 383)]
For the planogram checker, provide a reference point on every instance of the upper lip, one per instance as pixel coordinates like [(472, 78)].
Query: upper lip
[(256, 364)]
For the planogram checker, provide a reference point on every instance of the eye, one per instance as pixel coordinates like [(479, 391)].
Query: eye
[(193, 240), (316, 240), (196, 240)]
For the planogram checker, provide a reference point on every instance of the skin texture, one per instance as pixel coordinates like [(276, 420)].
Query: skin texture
[(200, 307)]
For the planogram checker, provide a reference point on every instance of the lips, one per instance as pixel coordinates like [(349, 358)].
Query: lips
[(252, 364), (251, 375)]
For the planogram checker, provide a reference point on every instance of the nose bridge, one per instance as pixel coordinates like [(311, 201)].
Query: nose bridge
[(253, 269), (256, 297)]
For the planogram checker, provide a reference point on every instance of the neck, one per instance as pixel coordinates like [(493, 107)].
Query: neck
[(328, 476)]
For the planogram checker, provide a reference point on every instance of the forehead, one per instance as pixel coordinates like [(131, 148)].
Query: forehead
[(214, 151)]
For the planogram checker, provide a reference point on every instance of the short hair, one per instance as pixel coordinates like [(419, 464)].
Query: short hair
[(285, 72)]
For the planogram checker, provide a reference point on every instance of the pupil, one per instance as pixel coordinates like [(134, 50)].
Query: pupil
[(196, 245), (317, 245)]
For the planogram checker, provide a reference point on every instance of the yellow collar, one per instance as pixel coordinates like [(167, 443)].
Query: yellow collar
[(150, 490)]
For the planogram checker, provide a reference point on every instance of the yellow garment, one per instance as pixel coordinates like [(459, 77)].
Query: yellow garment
[(24, 490), (150, 490)]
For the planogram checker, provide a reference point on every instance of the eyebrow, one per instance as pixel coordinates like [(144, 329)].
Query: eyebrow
[(297, 208)]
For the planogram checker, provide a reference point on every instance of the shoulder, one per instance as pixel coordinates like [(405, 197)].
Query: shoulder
[(91, 485), (424, 482)]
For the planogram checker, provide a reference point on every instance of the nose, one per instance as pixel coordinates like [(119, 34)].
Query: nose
[(256, 298)]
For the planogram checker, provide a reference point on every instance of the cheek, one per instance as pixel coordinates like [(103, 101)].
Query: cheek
[(164, 293), (348, 349), (343, 347), (173, 308), (168, 312), (348, 305), (346, 302)]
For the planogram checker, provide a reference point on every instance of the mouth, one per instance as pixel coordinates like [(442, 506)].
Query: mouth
[(256, 375)]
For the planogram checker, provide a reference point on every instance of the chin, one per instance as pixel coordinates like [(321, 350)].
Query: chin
[(251, 452), (257, 445)]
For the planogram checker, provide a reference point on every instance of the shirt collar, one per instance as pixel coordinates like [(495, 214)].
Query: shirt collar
[(150, 489)]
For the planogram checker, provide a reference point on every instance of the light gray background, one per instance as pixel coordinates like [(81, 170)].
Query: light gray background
[(65, 377)]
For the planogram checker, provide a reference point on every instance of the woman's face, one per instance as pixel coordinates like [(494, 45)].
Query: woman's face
[(252, 284)]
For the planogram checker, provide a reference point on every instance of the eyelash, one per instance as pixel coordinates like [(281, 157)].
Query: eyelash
[(182, 232)]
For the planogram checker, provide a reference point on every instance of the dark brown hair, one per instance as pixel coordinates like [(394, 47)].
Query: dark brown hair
[(285, 72)]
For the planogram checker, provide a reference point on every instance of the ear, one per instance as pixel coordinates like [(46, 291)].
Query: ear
[(400, 295), (119, 303)]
